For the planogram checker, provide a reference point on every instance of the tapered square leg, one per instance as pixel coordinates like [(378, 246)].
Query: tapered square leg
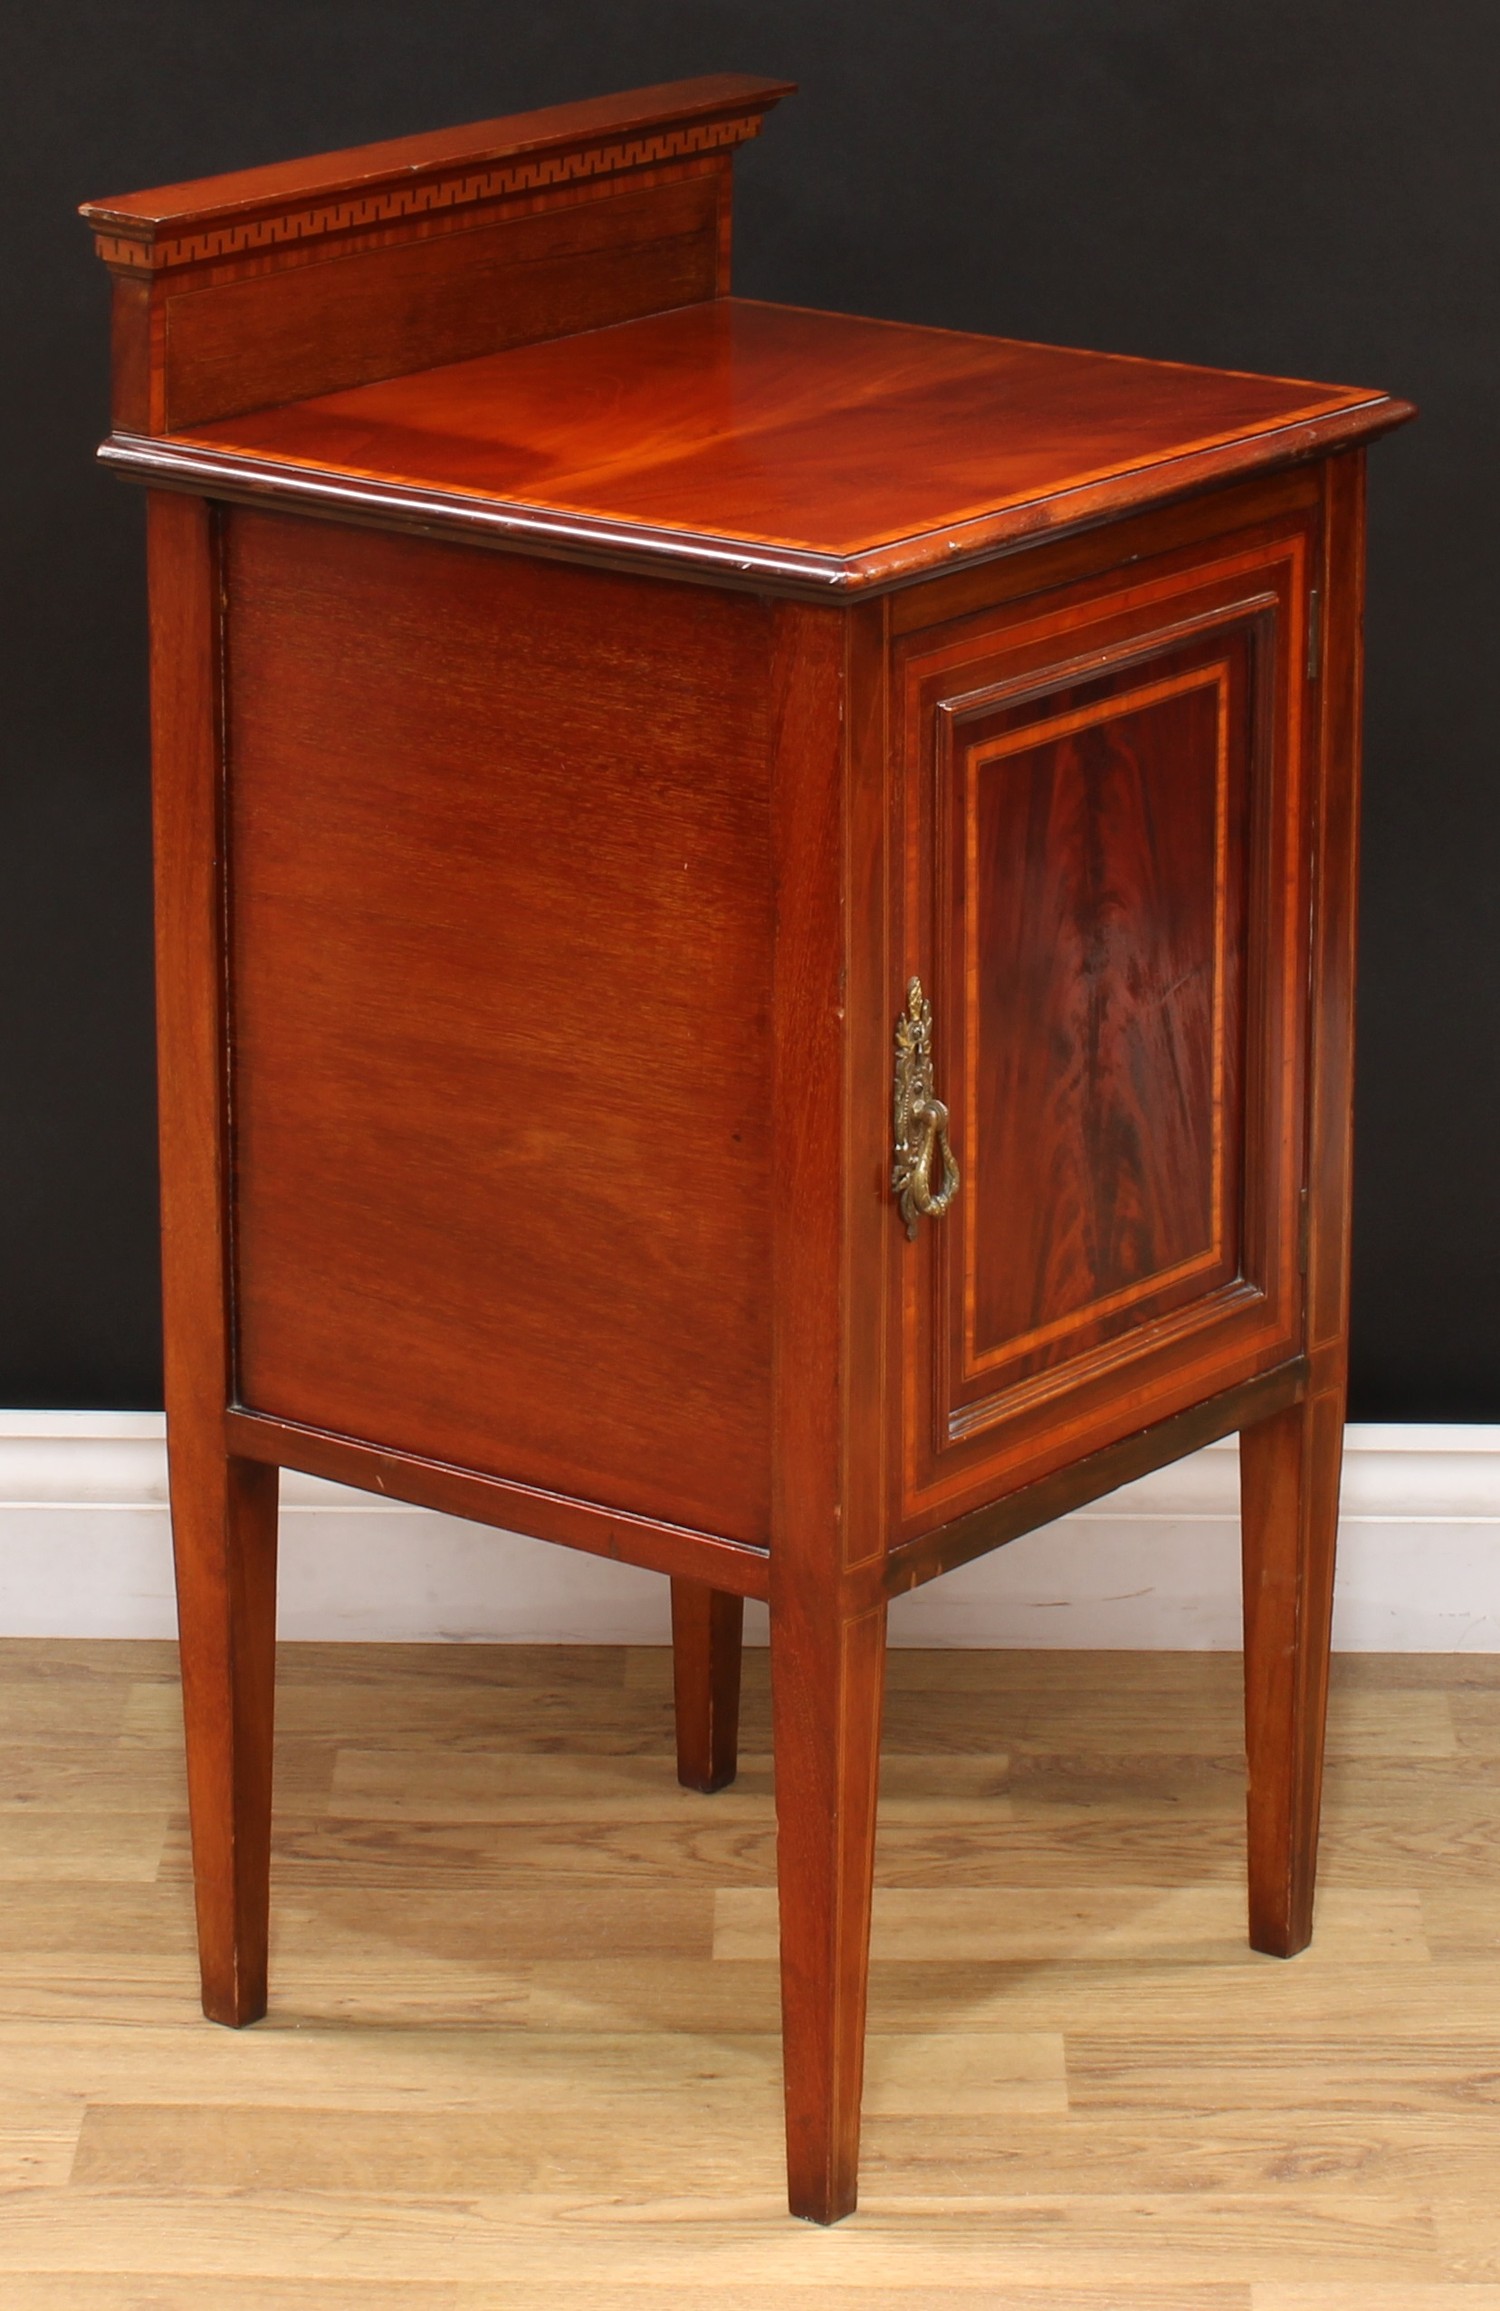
[(1289, 1485), (827, 1690), (223, 1508), (1290, 1463), (707, 1638), (224, 1542)]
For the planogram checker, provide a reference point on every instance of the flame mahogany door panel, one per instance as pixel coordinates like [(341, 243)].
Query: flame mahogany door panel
[(1104, 897)]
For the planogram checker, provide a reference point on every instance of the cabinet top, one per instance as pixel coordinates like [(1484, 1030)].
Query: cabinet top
[(770, 444)]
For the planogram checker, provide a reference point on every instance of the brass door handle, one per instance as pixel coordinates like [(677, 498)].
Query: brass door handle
[(921, 1120)]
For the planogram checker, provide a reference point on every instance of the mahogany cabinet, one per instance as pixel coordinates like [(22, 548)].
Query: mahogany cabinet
[(756, 931)]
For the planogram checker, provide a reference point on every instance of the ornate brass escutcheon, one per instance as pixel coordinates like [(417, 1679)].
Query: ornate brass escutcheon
[(921, 1119)]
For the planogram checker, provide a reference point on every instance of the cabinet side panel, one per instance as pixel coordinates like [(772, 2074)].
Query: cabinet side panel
[(500, 906)]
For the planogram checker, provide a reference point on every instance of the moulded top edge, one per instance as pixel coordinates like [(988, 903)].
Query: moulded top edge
[(511, 136), (724, 558)]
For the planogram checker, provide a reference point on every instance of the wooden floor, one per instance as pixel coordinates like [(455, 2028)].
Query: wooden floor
[(522, 2050)]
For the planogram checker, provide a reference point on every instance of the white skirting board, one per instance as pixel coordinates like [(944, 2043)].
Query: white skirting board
[(85, 1552)]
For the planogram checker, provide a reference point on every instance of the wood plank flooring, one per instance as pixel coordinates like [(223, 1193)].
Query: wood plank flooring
[(523, 2045)]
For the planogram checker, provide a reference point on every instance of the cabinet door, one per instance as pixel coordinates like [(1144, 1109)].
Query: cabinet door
[(1104, 901)]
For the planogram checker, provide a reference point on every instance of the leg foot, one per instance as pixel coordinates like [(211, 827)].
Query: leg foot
[(1289, 1487), (707, 1632), (827, 1689), (224, 1541)]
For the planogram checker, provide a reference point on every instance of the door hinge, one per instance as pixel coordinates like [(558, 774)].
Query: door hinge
[(1314, 634), (1304, 1233)]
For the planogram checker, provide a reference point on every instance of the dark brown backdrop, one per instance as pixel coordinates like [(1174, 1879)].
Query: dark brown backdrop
[(1298, 185)]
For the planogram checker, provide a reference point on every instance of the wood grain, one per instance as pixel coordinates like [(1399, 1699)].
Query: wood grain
[(1115, 952), (707, 1630), (1084, 2094), (1104, 880), (409, 176), (491, 1135), (531, 935), (827, 1641), (1289, 1481), (807, 449), (1290, 1464), (367, 313), (223, 1507), (270, 284)]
